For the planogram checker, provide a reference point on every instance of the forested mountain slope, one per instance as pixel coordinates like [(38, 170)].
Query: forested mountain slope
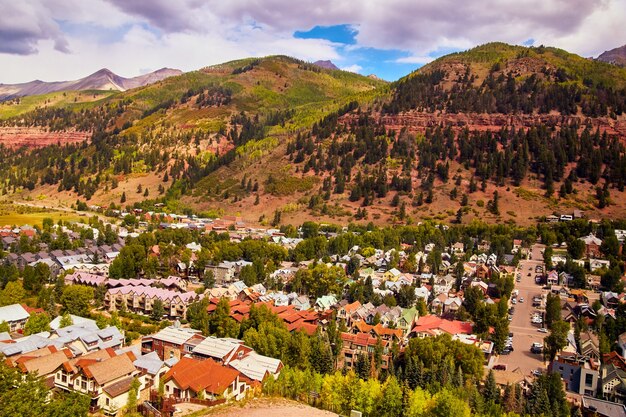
[(499, 132)]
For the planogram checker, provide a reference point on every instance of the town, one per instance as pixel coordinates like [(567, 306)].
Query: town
[(163, 313)]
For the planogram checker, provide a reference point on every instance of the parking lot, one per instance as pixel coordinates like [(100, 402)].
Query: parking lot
[(525, 333)]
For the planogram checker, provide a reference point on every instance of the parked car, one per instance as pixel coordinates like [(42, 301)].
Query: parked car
[(500, 367), (536, 372), (521, 300), (542, 330)]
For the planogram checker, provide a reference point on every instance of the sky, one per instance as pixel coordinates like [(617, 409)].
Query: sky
[(55, 40)]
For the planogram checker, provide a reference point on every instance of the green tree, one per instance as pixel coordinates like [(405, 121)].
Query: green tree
[(129, 263), (66, 320), (391, 401), (157, 310), (76, 299), (449, 405), (37, 323), (133, 394), (220, 323), (491, 392), (557, 339), (553, 309), (13, 293)]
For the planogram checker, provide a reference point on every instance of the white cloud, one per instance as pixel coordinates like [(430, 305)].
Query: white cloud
[(419, 60), (43, 38), (353, 68)]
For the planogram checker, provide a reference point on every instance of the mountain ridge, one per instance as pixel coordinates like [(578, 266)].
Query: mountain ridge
[(615, 56), (103, 79)]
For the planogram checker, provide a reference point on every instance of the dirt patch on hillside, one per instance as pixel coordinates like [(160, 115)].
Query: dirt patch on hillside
[(35, 137), (270, 407)]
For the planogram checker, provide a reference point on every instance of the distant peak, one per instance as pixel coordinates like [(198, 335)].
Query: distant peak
[(103, 71), (326, 64)]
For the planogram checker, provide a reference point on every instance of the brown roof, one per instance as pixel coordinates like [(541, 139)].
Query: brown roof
[(119, 387), (44, 365), (110, 369), (85, 360)]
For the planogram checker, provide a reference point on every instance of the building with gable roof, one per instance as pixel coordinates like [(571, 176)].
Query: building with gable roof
[(193, 378)]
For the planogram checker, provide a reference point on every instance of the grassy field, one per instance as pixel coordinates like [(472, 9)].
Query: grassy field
[(16, 215), (72, 99)]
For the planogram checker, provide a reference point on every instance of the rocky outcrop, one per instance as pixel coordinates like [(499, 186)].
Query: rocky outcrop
[(34, 137), (416, 121)]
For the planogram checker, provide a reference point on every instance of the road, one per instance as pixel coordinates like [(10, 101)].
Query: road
[(524, 332)]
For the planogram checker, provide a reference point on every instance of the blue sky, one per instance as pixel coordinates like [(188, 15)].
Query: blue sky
[(68, 39), (381, 62)]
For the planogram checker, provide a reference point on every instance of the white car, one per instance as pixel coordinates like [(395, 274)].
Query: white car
[(521, 300), (542, 330)]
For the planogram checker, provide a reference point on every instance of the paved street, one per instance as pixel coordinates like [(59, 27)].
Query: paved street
[(524, 332)]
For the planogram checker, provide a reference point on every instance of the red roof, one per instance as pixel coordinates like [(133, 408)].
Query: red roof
[(361, 339), (432, 323), (379, 329), (197, 375)]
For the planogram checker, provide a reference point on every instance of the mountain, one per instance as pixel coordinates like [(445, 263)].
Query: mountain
[(499, 133), (615, 56), (326, 65), (103, 79)]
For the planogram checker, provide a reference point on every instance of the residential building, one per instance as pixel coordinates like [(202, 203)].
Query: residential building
[(192, 378), (15, 315), (171, 342), (579, 374)]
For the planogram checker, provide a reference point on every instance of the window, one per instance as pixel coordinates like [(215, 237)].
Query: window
[(83, 385), (107, 401), (588, 380)]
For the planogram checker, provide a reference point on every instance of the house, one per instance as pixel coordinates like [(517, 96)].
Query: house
[(141, 299), (610, 299), (452, 305), (102, 375), (392, 275), (325, 302), (42, 362), (595, 264), (219, 349), (86, 337), (301, 303), (170, 342), (432, 325), (443, 285), (192, 378), (613, 385), (589, 346), (580, 375), (517, 245), (354, 345), (346, 312), (153, 368), (592, 245), (15, 315), (458, 248), (423, 293), (596, 407), (407, 320), (256, 367)]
